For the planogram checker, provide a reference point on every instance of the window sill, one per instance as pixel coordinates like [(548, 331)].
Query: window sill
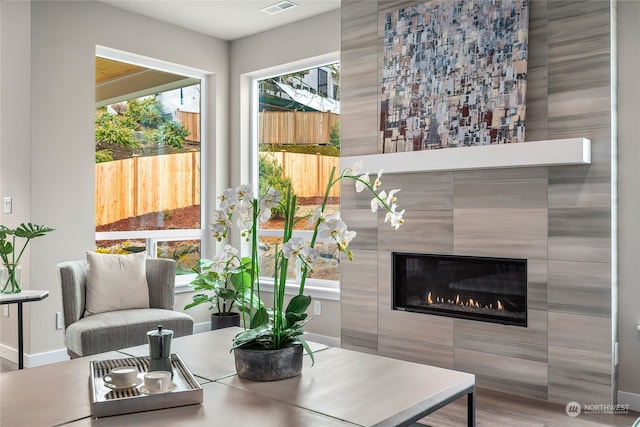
[(182, 283), (314, 291)]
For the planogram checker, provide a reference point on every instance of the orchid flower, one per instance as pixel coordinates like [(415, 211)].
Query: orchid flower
[(331, 228), (317, 213), (309, 256), (270, 200), (391, 198), (361, 182), (218, 231), (292, 248), (245, 219), (353, 170), (221, 217), (244, 192), (227, 197), (344, 237), (377, 183), (396, 218), (377, 201)]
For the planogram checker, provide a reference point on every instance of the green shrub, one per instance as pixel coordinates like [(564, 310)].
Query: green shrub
[(146, 112), (334, 136), (111, 128), (170, 133), (325, 150), (103, 156), (271, 175)]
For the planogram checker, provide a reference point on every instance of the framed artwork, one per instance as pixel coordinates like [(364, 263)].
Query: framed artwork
[(454, 74)]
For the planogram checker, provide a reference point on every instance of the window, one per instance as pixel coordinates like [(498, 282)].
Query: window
[(322, 82), (298, 143), (148, 160)]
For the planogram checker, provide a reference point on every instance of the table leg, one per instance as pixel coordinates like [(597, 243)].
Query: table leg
[(20, 341), (471, 409)]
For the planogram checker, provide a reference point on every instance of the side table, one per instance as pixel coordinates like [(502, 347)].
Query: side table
[(20, 298)]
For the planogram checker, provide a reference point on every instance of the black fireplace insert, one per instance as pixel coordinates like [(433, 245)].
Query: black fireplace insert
[(465, 287)]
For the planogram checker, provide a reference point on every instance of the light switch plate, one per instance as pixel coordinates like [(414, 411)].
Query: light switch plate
[(7, 205), (59, 323)]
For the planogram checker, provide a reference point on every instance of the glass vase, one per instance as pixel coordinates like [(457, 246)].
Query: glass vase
[(10, 277)]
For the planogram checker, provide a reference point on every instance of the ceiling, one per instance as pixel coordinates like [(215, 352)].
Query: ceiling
[(225, 19)]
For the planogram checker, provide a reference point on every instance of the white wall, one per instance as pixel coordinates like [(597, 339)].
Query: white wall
[(47, 154), (57, 158), (15, 124), (629, 201)]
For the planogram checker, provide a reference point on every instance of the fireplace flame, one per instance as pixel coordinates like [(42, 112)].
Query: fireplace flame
[(431, 299)]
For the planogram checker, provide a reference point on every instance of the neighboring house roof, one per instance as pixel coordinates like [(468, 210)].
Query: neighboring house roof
[(311, 100)]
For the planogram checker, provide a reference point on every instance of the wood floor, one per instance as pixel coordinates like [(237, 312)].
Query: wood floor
[(7, 366), (495, 409)]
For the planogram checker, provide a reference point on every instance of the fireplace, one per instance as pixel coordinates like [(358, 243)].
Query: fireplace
[(465, 287)]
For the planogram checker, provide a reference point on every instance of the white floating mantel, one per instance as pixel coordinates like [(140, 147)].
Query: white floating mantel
[(573, 151)]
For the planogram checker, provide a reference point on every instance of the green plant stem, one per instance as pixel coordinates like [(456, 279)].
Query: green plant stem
[(11, 280), (305, 268), (255, 278)]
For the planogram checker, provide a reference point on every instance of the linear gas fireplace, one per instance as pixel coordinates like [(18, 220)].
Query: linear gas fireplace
[(476, 288)]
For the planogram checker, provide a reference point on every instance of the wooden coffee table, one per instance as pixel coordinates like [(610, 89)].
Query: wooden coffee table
[(343, 388)]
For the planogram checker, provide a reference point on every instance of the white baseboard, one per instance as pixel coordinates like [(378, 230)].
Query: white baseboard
[(201, 327), (631, 399), (323, 339), (33, 360)]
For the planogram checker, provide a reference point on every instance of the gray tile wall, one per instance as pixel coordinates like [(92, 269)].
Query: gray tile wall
[(559, 218)]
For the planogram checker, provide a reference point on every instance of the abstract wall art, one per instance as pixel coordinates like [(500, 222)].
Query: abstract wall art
[(454, 74)]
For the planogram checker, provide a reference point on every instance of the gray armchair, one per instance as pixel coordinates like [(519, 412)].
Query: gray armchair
[(114, 330)]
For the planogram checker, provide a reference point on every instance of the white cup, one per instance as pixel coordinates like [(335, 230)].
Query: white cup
[(157, 381), (123, 376)]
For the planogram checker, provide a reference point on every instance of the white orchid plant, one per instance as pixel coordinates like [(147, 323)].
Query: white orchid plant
[(279, 326)]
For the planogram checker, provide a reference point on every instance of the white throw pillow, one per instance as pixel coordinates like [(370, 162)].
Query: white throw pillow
[(116, 282)]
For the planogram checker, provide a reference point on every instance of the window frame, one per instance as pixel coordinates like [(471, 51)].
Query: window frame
[(152, 237), (316, 288)]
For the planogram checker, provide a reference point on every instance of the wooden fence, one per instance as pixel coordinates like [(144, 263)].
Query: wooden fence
[(191, 121), (141, 185), (295, 127), (309, 173)]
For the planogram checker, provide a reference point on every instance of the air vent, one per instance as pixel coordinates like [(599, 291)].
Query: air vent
[(279, 7)]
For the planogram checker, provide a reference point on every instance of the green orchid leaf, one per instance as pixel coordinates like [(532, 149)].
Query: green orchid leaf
[(255, 335), (293, 318), (308, 350), (261, 317), (299, 304)]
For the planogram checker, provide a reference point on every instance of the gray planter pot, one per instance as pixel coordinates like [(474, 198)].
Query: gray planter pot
[(268, 365), (219, 322)]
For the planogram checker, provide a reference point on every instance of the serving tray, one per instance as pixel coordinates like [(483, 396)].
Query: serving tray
[(106, 401)]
